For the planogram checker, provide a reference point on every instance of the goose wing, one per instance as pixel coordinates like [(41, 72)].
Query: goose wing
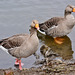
[(51, 23), (14, 41)]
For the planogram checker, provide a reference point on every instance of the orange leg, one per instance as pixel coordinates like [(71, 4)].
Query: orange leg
[(20, 67), (17, 62), (59, 40)]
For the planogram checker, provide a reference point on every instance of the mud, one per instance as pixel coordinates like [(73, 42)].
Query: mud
[(51, 68)]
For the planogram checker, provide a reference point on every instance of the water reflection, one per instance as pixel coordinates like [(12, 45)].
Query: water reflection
[(64, 50)]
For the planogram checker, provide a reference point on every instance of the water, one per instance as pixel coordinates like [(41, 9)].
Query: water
[(16, 17)]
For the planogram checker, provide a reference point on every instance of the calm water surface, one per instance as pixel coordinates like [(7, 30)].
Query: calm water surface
[(16, 17)]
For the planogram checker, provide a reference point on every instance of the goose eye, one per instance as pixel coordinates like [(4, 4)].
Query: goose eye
[(33, 22)]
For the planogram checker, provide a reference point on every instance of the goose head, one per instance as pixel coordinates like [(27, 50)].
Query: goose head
[(35, 24), (69, 9)]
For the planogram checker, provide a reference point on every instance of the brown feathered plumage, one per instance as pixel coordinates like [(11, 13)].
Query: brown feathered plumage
[(22, 45), (59, 26)]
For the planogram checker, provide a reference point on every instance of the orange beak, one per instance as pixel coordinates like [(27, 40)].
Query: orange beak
[(37, 26), (73, 9)]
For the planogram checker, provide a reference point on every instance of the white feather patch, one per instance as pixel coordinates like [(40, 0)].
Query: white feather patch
[(53, 27), (48, 29), (4, 49), (42, 32)]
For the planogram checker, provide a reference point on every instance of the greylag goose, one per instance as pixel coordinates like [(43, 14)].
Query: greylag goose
[(59, 26), (22, 45)]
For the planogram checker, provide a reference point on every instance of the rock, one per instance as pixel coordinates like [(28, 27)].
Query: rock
[(8, 72), (16, 72), (47, 51), (40, 62)]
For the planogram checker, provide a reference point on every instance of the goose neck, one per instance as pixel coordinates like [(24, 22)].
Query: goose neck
[(33, 31)]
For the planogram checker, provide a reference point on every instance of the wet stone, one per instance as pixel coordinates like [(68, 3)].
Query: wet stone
[(47, 51), (8, 72), (16, 73)]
